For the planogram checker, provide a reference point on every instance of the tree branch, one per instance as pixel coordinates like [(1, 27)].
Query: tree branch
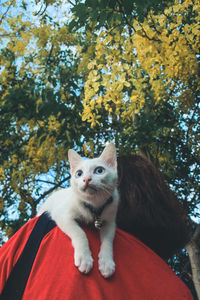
[(52, 189), (45, 181), (194, 256), (70, 2), (154, 25), (146, 35), (3, 16)]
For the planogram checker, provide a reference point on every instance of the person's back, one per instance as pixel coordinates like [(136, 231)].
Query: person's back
[(140, 273)]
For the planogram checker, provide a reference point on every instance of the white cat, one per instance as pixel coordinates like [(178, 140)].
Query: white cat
[(92, 197)]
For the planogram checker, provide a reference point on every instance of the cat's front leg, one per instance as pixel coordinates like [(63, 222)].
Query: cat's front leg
[(106, 262), (82, 255)]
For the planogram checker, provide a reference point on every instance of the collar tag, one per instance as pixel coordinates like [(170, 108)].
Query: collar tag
[(98, 223), (96, 212)]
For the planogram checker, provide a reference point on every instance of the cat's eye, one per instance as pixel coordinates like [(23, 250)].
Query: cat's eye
[(79, 173), (99, 170)]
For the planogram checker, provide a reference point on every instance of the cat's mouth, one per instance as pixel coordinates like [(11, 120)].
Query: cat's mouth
[(89, 188)]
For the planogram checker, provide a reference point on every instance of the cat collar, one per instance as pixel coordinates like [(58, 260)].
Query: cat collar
[(97, 211)]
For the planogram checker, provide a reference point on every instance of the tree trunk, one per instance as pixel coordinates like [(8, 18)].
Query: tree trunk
[(194, 255)]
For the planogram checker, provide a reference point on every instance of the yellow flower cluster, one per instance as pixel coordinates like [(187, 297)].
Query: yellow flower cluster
[(164, 46), (169, 49)]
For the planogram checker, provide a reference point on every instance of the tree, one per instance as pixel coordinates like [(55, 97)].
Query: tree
[(145, 75), (194, 255), (137, 66), (102, 70), (41, 94)]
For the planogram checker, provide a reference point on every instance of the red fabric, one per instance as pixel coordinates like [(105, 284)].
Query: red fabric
[(140, 274)]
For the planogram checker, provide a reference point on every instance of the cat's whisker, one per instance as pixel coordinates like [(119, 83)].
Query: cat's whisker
[(107, 189)]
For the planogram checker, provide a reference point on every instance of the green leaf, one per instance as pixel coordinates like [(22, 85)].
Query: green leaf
[(91, 3), (128, 6), (112, 3), (73, 25)]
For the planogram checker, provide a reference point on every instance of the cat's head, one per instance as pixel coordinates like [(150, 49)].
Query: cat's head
[(94, 180)]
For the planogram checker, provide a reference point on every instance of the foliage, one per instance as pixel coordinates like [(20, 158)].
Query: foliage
[(145, 76), (40, 105), (160, 55), (80, 74), (105, 11)]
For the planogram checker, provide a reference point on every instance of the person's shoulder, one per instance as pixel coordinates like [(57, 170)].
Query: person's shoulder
[(151, 271), (127, 239), (127, 243), (22, 234)]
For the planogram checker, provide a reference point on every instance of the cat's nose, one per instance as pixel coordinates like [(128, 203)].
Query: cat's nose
[(87, 179)]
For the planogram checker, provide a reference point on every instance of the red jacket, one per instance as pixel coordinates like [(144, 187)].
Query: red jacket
[(140, 274)]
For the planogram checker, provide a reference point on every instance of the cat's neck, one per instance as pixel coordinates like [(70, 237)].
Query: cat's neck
[(97, 211), (94, 200)]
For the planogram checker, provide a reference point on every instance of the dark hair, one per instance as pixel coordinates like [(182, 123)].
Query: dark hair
[(148, 209)]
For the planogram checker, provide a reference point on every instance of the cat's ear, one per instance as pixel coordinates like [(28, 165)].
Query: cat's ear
[(74, 159), (109, 155)]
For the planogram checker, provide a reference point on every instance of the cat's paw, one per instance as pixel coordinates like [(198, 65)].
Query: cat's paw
[(106, 266), (84, 262)]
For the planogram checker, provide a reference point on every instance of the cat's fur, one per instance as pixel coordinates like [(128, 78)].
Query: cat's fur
[(66, 207)]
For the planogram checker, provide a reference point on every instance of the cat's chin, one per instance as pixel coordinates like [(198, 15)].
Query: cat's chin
[(89, 190)]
